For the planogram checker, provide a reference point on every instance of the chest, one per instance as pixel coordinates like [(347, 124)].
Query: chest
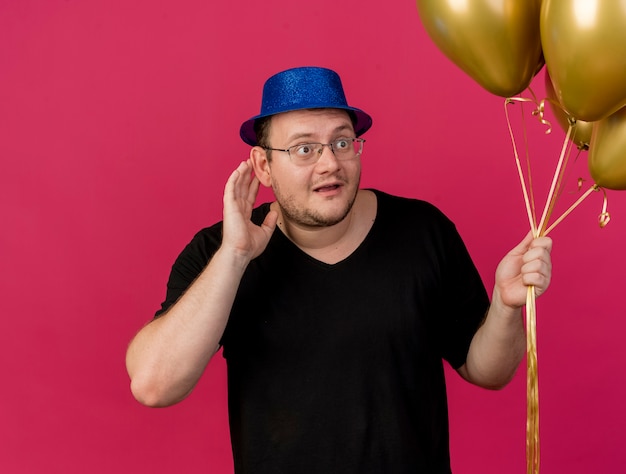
[(296, 306)]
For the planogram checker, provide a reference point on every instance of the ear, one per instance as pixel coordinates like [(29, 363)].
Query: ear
[(261, 165)]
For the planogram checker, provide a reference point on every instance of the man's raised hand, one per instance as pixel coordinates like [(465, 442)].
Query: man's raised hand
[(239, 233)]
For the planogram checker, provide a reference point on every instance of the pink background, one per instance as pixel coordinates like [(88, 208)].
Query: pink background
[(118, 127)]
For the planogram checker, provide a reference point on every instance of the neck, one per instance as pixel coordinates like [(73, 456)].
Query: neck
[(333, 243), (317, 237)]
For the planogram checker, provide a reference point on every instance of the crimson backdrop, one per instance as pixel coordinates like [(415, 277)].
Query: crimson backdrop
[(118, 127)]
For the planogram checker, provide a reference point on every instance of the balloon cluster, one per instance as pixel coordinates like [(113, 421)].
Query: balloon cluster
[(503, 44)]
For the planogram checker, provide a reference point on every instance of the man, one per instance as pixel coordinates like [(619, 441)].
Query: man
[(334, 305)]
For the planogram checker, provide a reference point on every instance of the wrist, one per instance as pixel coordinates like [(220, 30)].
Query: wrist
[(231, 257), (502, 308)]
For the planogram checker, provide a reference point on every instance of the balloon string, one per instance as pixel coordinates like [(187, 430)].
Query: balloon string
[(530, 208), (561, 177), (532, 390), (532, 386), (556, 181), (528, 167), (605, 217), (574, 206)]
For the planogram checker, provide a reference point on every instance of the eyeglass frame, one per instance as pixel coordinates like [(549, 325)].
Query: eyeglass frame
[(321, 150)]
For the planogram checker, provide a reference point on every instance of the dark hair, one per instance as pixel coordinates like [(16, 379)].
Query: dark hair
[(262, 131)]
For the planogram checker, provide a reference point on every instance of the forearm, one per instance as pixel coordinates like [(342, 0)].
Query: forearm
[(497, 347), (500, 344), (167, 357)]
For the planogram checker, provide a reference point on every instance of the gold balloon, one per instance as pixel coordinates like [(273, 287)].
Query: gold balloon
[(607, 151), (584, 44), (496, 42), (581, 130)]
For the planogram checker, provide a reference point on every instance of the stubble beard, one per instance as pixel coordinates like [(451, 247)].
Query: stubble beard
[(308, 217)]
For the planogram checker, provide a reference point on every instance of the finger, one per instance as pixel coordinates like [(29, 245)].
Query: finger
[(529, 243), (229, 188), (232, 189), (537, 272), (538, 280), (536, 265), (543, 242), (253, 190), (242, 180), (537, 253), (539, 249)]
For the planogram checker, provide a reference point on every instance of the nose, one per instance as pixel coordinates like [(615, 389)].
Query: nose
[(327, 159), (324, 145)]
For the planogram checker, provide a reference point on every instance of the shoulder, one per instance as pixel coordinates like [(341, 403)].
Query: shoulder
[(404, 208), (415, 222)]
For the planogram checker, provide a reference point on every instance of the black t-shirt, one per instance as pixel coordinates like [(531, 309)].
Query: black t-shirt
[(338, 368)]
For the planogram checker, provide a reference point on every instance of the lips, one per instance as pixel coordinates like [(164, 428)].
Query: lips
[(329, 187)]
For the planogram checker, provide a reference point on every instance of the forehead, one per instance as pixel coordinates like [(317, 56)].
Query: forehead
[(313, 123)]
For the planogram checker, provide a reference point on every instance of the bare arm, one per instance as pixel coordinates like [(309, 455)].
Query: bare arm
[(499, 345), (167, 357)]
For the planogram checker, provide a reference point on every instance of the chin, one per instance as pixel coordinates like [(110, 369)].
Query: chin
[(318, 218), (314, 216), (326, 212)]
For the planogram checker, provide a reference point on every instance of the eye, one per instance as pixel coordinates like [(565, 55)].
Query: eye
[(342, 144), (303, 151)]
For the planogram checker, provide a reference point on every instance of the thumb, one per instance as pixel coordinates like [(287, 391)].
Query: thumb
[(269, 223)]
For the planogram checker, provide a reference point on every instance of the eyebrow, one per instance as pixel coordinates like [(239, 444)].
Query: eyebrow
[(298, 136)]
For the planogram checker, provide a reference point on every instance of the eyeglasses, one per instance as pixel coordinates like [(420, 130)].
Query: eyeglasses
[(309, 153)]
